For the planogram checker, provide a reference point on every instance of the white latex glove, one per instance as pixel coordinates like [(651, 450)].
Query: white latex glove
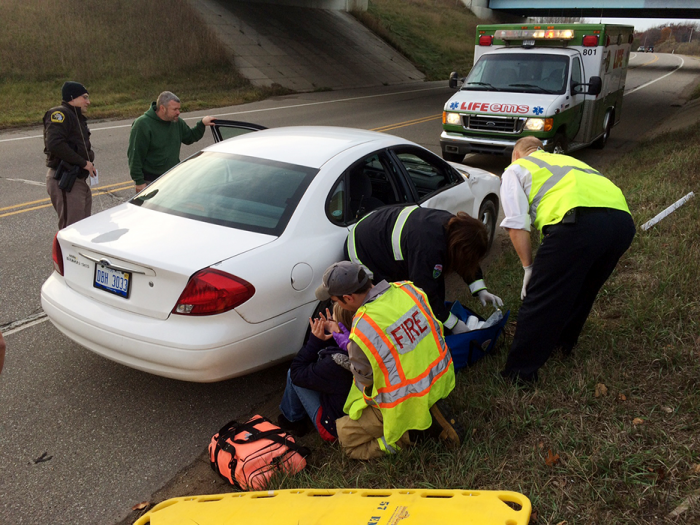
[(460, 327), (486, 297), (526, 279)]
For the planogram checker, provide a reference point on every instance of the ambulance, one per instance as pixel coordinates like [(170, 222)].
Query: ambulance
[(561, 83)]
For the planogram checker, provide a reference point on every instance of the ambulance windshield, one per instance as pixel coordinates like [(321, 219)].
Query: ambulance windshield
[(519, 73)]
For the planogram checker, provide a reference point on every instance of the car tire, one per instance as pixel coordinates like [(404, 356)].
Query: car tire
[(320, 308), (488, 215), (603, 139), (453, 157), (561, 144)]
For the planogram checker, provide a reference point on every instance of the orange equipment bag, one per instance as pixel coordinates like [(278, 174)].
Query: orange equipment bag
[(247, 455)]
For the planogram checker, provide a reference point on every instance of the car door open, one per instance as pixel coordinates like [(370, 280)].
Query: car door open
[(226, 129)]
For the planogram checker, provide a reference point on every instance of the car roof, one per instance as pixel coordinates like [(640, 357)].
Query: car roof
[(310, 146)]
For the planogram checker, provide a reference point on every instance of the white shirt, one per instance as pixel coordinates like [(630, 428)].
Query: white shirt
[(516, 182)]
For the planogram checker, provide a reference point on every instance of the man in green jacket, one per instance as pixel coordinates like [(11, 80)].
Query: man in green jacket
[(154, 143)]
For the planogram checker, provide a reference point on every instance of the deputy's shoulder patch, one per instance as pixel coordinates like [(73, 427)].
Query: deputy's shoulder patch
[(437, 271), (58, 116)]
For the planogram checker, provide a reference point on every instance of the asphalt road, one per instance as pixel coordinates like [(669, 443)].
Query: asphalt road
[(82, 438)]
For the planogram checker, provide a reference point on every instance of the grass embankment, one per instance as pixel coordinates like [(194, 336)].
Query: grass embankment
[(124, 52), (436, 35), (679, 48), (621, 416)]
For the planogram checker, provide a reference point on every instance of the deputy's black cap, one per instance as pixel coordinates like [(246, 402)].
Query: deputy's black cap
[(71, 90)]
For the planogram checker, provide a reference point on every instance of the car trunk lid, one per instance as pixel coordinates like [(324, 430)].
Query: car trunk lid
[(159, 252)]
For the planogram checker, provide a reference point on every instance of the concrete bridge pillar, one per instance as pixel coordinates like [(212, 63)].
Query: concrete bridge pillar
[(480, 8), (336, 5)]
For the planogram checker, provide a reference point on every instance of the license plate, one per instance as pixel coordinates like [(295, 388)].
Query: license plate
[(529, 43), (112, 281)]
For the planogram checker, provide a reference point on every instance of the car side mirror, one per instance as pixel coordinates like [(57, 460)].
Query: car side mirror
[(595, 86), (454, 80)]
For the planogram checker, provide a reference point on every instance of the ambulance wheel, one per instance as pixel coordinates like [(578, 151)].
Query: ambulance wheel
[(452, 157), (489, 215), (603, 140), (561, 144)]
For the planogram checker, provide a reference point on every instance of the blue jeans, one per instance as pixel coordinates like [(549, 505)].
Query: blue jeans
[(298, 402)]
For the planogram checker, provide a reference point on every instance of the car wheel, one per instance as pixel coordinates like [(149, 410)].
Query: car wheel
[(452, 157), (561, 144), (489, 215), (320, 308), (603, 139)]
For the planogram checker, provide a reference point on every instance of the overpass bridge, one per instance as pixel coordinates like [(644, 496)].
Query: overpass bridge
[(308, 45), (683, 9)]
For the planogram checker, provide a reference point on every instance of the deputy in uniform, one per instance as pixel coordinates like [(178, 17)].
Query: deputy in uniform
[(67, 138), (422, 245), (400, 363), (586, 226)]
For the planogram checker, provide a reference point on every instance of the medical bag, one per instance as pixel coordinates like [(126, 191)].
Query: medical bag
[(468, 347), (248, 454)]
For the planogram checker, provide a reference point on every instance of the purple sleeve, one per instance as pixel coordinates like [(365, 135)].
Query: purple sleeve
[(342, 337)]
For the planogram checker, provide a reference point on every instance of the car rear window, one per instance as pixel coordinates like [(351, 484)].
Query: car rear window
[(241, 192)]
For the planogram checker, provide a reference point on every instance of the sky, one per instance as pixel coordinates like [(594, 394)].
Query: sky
[(642, 24)]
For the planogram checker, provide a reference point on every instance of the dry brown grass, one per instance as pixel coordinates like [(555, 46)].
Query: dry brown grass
[(45, 39), (124, 51)]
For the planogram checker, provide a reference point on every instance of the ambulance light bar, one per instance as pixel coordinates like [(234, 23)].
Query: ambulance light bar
[(534, 34)]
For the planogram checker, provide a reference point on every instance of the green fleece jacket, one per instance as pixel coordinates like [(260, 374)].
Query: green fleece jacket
[(154, 144)]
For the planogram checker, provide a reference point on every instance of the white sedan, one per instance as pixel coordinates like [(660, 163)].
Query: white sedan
[(209, 272)]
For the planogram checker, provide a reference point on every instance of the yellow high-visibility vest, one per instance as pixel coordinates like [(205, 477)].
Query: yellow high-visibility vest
[(561, 183), (411, 363)]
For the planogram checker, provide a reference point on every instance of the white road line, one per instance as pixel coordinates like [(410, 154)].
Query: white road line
[(655, 80), (32, 182), (350, 99), (27, 322)]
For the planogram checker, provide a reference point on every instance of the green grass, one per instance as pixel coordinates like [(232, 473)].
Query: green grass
[(642, 341), (436, 35), (124, 52)]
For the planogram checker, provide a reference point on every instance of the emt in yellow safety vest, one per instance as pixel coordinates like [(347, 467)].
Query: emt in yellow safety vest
[(586, 226), (401, 364)]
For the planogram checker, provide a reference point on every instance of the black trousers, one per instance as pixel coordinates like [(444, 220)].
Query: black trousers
[(571, 266)]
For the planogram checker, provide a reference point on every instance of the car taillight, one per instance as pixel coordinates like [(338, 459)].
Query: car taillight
[(211, 291), (57, 255), (485, 40), (590, 41)]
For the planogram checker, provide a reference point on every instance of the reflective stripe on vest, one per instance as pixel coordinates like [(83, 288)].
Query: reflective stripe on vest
[(395, 236), (398, 229), (352, 246), (387, 356), (557, 173), (386, 447)]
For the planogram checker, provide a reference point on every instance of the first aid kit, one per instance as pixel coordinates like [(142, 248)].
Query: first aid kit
[(248, 454)]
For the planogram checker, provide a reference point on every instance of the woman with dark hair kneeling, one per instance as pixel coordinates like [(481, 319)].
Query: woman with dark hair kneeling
[(319, 378), (423, 245)]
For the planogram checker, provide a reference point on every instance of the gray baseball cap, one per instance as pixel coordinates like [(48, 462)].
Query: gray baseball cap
[(342, 278)]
